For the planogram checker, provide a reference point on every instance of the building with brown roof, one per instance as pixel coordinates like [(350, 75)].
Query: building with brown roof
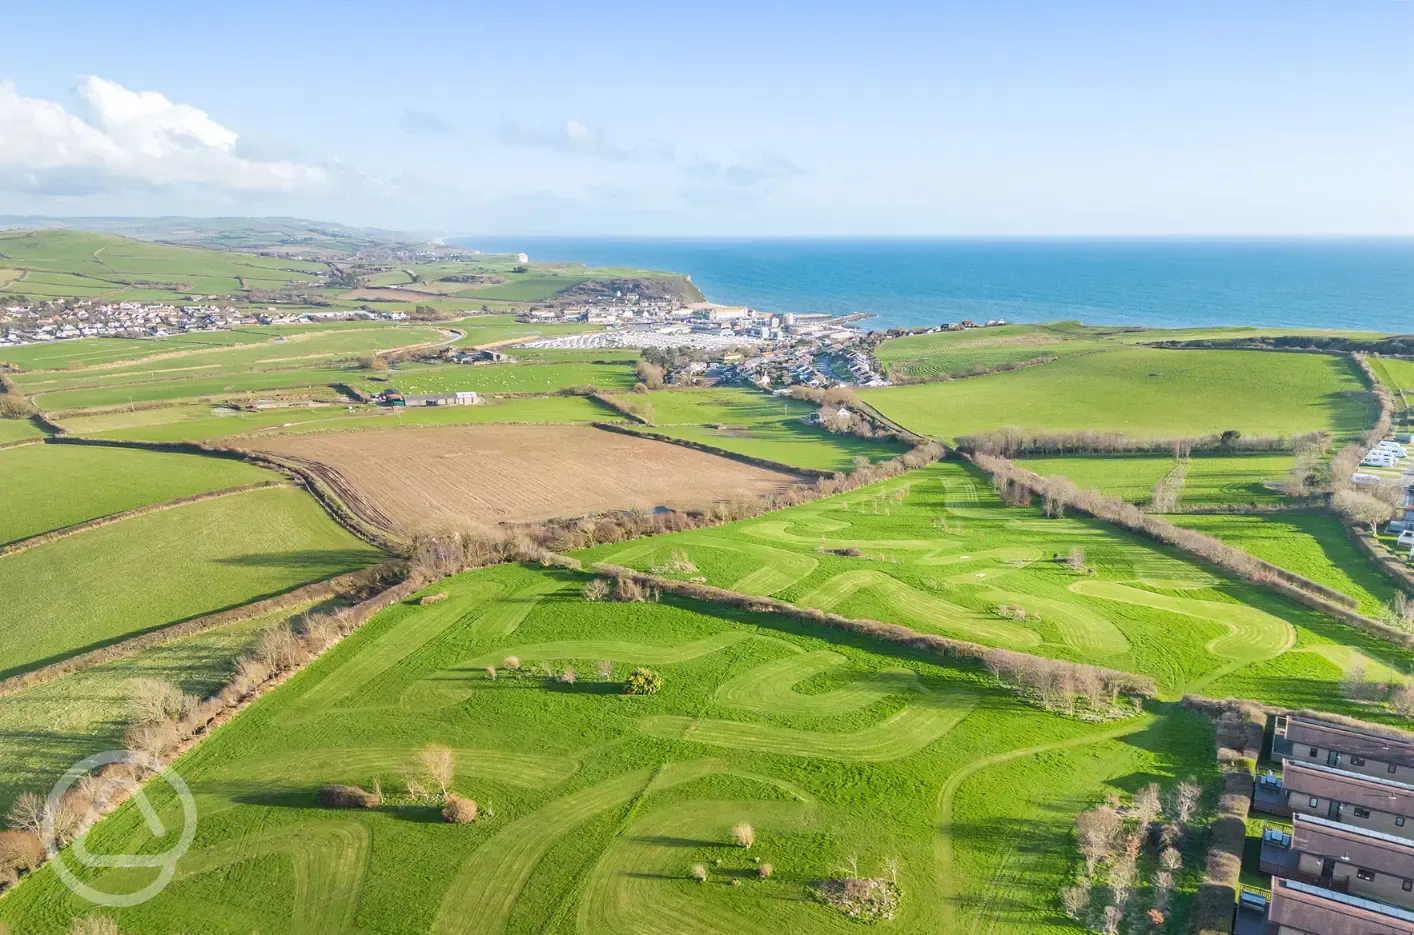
[(1349, 798), (1299, 908), (1343, 858), (1388, 754)]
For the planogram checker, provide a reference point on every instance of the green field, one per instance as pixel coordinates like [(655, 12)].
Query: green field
[(504, 378), (46, 729), (491, 329), (1146, 393), (292, 350), (18, 430), (940, 554), (1394, 371), (957, 352), (51, 486), (602, 803), (1311, 544), (93, 352), (117, 581), (78, 263), (196, 422), (1213, 480), (753, 423), (229, 386), (556, 355)]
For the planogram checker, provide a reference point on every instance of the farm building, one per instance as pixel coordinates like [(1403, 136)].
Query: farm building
[(459, 398)]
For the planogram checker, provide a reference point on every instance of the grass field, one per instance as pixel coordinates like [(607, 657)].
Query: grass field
[(78, 263), (18, 430), (939, 553), (753, 423), (94, 352), (46, 729), (600, 803), (51, 486), (1311, 544), (492, 329), (1394, 371), (955, 352), (504, 378), (1212, 480), (1144, 392), (230, 386), (196, 422), (117, 581), (279, 351)]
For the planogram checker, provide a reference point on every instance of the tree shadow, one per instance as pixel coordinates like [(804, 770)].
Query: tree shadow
[(320, 559)]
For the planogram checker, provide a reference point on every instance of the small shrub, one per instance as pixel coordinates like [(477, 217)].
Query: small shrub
[(643, 682), (459, 810), (744, 835), (569, 676), (14, 407), (863, 899), (491, 673), (512, 663), (434, 598), (605, 668), (699, 873), (20, 850), (627, 591), (94, 925), (338, 796), (764, 871), (596, 590)]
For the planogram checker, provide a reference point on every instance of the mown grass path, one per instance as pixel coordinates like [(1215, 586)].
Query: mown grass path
[(329, 860), (948, 891), (1253, 634)]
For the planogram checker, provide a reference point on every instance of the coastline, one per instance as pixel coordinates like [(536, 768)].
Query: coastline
[(1342, 285)]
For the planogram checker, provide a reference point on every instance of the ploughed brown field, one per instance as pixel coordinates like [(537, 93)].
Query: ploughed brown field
[(422, 479)]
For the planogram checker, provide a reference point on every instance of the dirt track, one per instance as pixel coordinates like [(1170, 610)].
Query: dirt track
[(421, 479)]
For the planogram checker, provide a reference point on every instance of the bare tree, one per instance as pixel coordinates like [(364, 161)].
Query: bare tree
[(1146, 804), (27, 812), (1097, 832), (439, 764), (1185, 800), (1075, 900)]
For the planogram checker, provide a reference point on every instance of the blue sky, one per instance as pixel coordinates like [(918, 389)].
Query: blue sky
[(941, 118)]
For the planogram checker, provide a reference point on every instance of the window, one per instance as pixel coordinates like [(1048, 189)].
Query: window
[(1362, 812), (1408, 885), (1357, 760), (1399, 821), (1315, 801), (1391, 769), (1367, 875), (1315, 752)]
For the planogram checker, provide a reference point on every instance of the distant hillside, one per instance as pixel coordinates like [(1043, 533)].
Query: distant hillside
[(277, 235)]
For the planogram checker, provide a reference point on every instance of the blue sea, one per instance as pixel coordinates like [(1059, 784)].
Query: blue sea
[(1344, 284)]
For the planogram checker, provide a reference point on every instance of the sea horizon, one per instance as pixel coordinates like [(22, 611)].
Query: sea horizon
[(1335, 283)]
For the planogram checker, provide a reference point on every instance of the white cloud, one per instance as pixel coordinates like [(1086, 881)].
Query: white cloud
[(131, 139), (576, 137)]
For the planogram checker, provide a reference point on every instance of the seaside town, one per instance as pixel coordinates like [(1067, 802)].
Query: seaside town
[(738, 344)]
